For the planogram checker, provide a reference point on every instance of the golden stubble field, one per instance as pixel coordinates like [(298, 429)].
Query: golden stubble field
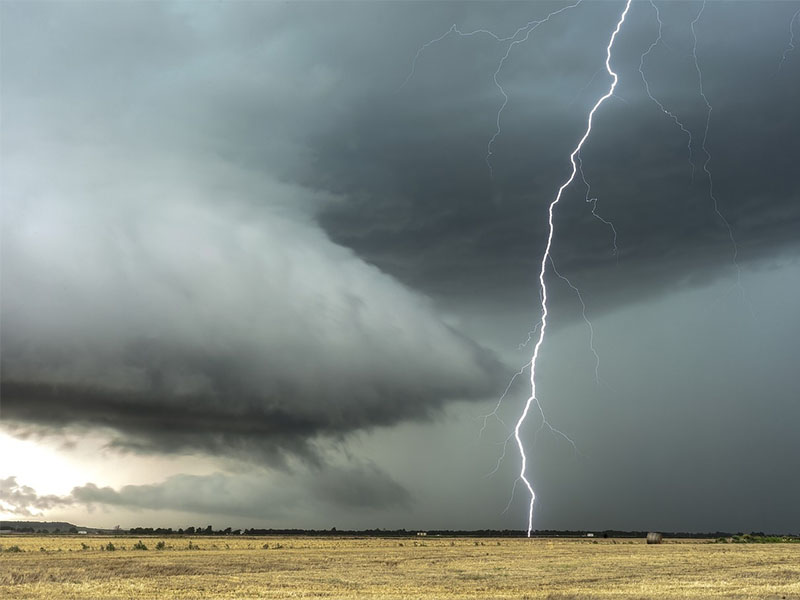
[(390, 568)]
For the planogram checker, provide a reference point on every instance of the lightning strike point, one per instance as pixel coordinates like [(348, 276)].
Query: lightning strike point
[(543, 267)]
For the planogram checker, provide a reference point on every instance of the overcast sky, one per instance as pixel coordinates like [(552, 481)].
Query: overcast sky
[(270, 264)]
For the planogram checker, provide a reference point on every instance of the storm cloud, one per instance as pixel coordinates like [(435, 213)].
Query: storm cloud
[(253, 231), (452, 226), (192, 322), (23, 500)]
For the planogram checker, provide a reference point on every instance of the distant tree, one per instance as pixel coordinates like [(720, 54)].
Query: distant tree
[(73, 530), (141, 530), (190, 531), (209, 530)]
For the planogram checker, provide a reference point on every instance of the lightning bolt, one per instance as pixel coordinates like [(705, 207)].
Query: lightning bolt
[(585, 318), (533, 399), (531, 333), (654, 99), (521, 35), (529, 26), (707, 162), (709, 109), (544, 422), (790, 47), (593, 202), (494, 414)]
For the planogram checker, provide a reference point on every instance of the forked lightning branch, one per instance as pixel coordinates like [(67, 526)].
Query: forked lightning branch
[(522, 34)]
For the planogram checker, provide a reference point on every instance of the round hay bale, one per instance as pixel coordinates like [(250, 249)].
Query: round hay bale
[(654, 538)]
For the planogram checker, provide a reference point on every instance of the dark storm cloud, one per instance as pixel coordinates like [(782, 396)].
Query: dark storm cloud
[(195, 325), (152, 422), (310, 93), (422, 204)]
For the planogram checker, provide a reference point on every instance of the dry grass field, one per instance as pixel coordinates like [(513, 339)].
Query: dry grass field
[(430, 568)]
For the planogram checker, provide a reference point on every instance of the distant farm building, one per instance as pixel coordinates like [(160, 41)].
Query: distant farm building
[(654, 538), (422, 533)]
